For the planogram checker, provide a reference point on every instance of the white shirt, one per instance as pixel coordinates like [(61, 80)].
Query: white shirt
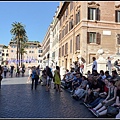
[(94, 63), (30, 71), (109, 63), (5, 68)]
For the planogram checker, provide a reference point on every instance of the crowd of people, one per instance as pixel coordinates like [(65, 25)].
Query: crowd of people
[(99, 92), (9, 71), (48, 75)]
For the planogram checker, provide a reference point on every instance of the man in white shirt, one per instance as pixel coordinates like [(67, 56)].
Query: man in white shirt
[(94, 66), (109, 65)]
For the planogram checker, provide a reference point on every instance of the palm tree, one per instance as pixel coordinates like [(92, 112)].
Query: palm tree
[(22, 50), (18, 31)]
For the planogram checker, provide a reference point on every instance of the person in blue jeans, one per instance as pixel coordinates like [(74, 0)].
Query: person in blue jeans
[(34, 78), (101, 97)]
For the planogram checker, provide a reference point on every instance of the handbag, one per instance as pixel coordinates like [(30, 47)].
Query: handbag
[(112, 111)]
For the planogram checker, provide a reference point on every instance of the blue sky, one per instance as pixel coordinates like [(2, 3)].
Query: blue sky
[(36, 16)]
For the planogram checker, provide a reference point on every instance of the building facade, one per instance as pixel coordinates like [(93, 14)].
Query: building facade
[(1, 48), (85, 27), (55, 40), (46, 46), (29, 58), (5, 55)]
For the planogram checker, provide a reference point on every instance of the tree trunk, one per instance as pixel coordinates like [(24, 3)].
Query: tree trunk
[(21, 59), (17, 52)]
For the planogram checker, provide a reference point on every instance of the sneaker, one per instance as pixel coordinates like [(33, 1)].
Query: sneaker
[(85, 104), (89, 106), (71, 91)]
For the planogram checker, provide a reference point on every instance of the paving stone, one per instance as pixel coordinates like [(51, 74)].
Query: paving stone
[(17, 100)]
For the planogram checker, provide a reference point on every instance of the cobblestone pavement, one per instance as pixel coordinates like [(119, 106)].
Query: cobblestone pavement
[(17, 100)]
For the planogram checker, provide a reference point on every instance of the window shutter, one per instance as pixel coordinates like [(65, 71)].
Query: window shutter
[(76, 18), (79, 16), (88, 41), (88, 13), (79, 42), (76, 44), (97, 14), (67, 48), (69, 26), (118, 39), (98, 39), (116, 16)]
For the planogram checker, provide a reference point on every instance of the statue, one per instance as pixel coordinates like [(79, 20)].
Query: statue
[(100, 52)]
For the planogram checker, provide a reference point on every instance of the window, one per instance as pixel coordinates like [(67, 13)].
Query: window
[(59, 36), (53, 54), (66, 12), (3, 50), (64, 17), (71, 6), (11, 50), (63, 33), (7, 54), (78, 17), (93, 37), (78, 42), (39, 51), (39, 56), (29, 51), (7, 50), (63, 50), (32, 51), (70, 24), (117, 16), (66, 48), (93, 14), (70, 46), (2, 54), (118, 39), (66, 29), (60, 21), (59, 52)]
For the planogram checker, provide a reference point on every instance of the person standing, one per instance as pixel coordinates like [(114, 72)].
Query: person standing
[(94, 66), (57, 79), (81, 68), (109, 65), (38, 71), (49, 78), (1, 77), (5, 71), (11, 71), (30, 75), (34, 78)]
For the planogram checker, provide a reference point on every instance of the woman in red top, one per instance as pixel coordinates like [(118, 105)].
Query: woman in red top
[(81, 68)]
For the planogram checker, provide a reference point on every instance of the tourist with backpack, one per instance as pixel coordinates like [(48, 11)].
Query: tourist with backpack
[(49, 78), (34, 78)]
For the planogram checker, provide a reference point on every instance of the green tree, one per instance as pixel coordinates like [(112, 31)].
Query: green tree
[(22, 50), (19, 33)]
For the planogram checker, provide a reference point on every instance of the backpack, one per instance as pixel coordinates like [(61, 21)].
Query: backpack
[(115, 63)]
